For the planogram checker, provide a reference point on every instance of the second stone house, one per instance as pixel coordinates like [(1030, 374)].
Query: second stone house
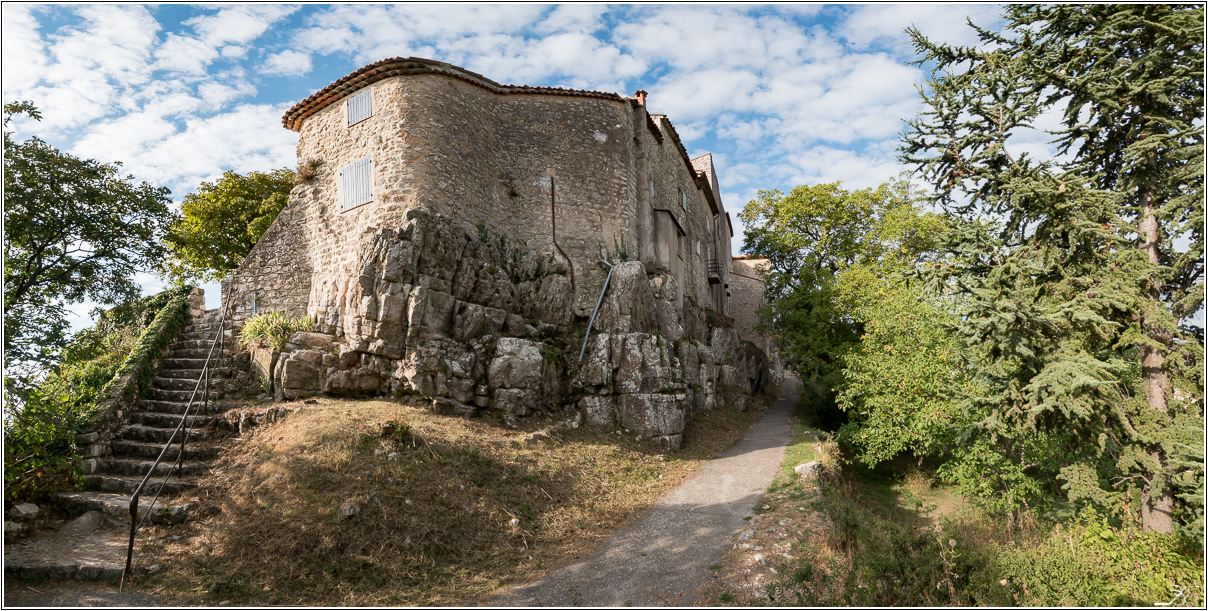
[(437, 207)]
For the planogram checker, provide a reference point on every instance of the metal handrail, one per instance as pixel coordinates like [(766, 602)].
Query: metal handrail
[(597, 310), (135, 522)]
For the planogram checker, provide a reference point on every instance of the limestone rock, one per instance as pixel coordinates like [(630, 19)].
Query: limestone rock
[(599, 411), (725, 344), (24, 511), (82, 525), (348, 509), (809, 472), (628, 305), (652, 414), (515, 401), (310, 340), (517, 364), (472, 320)]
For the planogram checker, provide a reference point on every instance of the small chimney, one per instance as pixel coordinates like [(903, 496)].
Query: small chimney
[(641, 96)]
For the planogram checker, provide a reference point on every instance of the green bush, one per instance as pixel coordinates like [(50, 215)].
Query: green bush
[(41, 424), (1091, 563), (271, 329), (877, 556)]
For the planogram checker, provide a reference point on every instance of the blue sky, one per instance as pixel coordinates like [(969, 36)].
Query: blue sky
[(781, 95)]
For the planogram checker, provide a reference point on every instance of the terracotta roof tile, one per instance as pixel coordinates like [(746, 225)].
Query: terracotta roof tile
[(398, 66)]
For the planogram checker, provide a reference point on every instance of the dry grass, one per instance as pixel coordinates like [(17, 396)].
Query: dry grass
[(450, 509)]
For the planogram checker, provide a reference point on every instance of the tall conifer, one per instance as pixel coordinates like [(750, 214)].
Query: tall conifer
[(1080, 269)]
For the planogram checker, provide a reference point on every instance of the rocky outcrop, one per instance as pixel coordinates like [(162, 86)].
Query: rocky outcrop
[(467, 322)]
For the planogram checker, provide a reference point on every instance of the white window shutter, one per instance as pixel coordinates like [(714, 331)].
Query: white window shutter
[(356, 183), (360, 106)]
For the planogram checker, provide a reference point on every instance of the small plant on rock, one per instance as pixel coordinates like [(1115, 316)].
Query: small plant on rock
[(272, 330)]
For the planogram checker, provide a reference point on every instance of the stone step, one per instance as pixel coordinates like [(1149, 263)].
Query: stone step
[(184, 363), (180, 396), (191, 374), (199, 343), (178, 407), (144, 450), (165, 510), (200, 325), (99, 556), (162, 420), (123, 484), (138, 432), (195, 353), (137, 467)]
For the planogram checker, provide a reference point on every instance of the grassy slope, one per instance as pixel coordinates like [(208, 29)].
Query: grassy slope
[(892, 537), (437, 500)]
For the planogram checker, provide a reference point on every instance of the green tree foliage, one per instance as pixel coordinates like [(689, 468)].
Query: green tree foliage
[(1074, 298), (74, 229), (39, 437), (219, 224), (902, 380), (812, 238)]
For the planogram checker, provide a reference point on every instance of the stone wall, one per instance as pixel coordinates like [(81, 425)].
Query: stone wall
[(746, 297), (443, 316)]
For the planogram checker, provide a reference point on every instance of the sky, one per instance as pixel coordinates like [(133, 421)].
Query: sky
[(782, 95)]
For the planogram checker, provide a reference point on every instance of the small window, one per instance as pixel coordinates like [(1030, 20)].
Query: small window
[(683, 200), (652, 188), (698, 248), (356, 184), (679, 244), (360, 106)]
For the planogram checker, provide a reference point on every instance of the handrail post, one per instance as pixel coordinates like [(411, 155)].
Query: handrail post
[(133, 527)]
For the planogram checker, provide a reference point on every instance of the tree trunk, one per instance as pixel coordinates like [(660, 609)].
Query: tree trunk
[(1156, 505)]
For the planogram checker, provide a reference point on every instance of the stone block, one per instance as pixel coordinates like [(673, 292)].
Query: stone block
[(652, 414), (517, 364), (263, 362), (299, 374), (726, 345), (304, 339), (513, 401), (24, 511), (86, 523), (599, 411)]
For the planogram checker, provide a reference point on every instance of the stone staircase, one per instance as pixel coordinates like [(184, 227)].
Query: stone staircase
[(111, 479)]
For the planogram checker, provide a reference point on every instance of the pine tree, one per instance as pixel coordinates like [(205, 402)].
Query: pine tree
[(1082, 269)]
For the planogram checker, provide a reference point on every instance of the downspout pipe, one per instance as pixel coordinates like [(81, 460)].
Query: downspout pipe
[(599, 301)]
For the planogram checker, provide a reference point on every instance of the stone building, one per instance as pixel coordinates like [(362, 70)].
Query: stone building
[(746, 296), (444, 208)]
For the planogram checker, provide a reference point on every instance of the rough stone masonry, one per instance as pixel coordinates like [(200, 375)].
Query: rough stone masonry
[(456, 235)]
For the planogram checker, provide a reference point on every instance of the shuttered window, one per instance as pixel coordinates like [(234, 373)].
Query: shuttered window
[(683, 200), (356, 183), (360, 106)]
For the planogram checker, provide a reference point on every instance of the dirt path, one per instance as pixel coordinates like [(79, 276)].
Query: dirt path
[(664, 558)]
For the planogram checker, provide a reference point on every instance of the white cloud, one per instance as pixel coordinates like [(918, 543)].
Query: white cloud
[(23, 57), (287, 63), (885, 24)]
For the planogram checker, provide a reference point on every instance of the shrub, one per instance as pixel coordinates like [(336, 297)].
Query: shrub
[(271, 329), (41, 424), (1091, 563)]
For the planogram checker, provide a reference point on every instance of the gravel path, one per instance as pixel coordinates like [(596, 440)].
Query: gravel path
[(664, 558)]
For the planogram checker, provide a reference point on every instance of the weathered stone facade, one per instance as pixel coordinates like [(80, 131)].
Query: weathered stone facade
[(494, 215), (746, 296)]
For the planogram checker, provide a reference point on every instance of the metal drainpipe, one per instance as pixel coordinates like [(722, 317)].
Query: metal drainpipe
[(553, 221), (599, 301)]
